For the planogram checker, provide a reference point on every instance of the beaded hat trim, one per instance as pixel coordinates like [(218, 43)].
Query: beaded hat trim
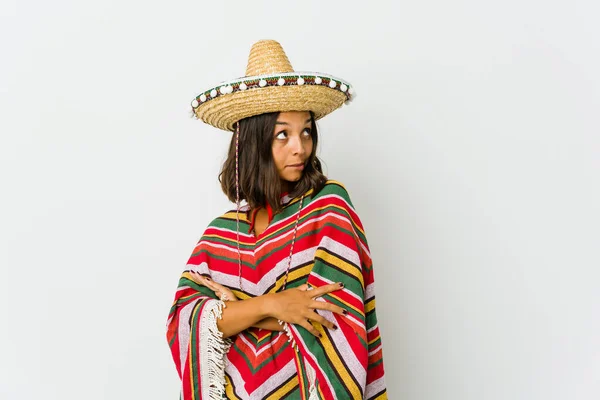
[(282, 79)]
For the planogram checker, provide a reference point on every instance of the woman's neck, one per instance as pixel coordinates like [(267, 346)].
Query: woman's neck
[(286, 187)]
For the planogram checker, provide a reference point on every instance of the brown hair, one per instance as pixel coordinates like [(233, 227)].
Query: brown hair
[(258, 178)]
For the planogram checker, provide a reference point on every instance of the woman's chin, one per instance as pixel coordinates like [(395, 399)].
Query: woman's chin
[(292, 178)]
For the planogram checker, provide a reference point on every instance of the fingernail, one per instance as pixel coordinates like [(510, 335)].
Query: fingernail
[(320, 335), (335, 327), (341, 284), (344, 312)]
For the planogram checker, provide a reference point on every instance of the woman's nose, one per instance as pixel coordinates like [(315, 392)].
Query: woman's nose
[(297, 145)]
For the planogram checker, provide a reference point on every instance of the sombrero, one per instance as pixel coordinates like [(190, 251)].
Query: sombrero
[(270, 85)]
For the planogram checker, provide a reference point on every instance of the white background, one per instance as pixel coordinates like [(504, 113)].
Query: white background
[(472, 155)]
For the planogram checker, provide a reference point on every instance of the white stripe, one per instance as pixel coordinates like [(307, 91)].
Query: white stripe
[(375, 387), (375, 350), (370, 290), (220, 229), (227, 247), (341, 250), (372, 329), (201, 268), (183, 332)]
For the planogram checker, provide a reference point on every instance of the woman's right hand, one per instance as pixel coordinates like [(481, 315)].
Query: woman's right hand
[(220, 291), (298, 306)]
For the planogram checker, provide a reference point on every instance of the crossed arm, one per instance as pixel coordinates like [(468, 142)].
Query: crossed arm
[(226, 294), (297, 305)]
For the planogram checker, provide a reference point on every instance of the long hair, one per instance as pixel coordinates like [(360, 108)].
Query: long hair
[(258, 177)]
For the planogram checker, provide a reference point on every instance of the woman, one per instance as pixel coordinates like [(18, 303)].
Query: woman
[(277, 300)]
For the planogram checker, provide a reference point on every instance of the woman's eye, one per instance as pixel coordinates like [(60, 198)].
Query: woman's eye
[(283, 134)]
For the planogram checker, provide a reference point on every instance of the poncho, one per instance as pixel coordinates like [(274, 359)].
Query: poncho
[(330, 247)]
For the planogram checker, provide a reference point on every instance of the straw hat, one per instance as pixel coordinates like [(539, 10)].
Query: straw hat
[(270, 85)]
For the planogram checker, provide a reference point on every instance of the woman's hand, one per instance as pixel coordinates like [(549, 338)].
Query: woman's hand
[(298, 306), (221, 291)]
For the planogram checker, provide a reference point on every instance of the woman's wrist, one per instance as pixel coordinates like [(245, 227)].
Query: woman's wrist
[(270, 324), (267, 305), (240, 315)]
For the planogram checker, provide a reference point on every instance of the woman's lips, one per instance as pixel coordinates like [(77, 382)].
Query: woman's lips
[(297, 166)]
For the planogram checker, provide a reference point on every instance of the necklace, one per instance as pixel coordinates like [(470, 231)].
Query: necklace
[(287, 271)]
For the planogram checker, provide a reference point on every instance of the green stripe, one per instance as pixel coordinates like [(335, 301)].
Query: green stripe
[(225, 241), (194, 345), (371, 319), (334, 274), (376, 363), (228, 259), (375, 343)]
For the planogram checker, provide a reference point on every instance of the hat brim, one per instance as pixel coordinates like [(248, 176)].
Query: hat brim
[(224, 111), (232, 101)]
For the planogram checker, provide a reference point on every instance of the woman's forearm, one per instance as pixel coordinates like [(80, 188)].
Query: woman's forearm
[(269, 323), (242, 314)]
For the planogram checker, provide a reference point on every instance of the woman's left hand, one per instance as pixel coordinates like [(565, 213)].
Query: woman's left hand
[(221, 291)]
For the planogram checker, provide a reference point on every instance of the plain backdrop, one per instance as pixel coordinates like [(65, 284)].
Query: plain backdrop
[(471, 153)]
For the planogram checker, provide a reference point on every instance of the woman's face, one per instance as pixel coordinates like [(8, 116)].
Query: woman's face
[(292, 144)]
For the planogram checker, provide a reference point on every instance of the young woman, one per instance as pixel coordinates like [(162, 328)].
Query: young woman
[(277, 300)]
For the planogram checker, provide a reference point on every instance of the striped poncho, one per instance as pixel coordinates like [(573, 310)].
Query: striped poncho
[(257, 363)]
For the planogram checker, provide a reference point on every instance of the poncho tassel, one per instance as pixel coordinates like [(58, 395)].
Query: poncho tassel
[(312, 388), (213, 349)]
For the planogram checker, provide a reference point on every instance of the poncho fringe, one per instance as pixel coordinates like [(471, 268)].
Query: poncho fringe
[(215, 349)]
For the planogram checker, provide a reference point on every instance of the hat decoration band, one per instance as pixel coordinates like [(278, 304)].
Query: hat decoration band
[(270, 80)]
